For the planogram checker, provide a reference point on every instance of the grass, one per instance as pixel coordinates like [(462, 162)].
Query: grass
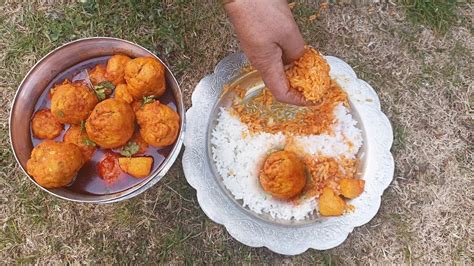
[(399, 141), (423, 80), (440, 15)]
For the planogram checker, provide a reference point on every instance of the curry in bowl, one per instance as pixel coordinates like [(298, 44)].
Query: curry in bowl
[(103, 127)]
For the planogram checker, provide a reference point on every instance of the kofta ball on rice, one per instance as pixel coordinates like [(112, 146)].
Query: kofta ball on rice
[(283, 175)]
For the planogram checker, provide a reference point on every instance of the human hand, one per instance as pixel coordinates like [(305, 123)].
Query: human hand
[(270, 38)]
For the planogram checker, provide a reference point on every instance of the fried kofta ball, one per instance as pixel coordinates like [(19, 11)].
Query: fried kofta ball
[(136, 105), (77, 135), (159, 124), (45, 125), (72, 103), (283, 175), (121, 92), (54, 164), (116, 68), (97, 75), (145, 76), (111, 123)]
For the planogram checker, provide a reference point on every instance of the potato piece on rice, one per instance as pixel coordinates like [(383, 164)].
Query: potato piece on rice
[(331, 204), (351, 187)]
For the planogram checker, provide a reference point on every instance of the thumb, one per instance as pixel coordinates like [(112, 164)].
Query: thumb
[(274, 77)]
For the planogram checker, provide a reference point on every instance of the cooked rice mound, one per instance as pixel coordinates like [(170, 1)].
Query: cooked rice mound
[(310, 75), (239, 154)]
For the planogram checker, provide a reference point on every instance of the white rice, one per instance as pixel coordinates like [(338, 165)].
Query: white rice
[(239, 156)]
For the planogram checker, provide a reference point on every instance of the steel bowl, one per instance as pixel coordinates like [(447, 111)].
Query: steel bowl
[(46, 70)]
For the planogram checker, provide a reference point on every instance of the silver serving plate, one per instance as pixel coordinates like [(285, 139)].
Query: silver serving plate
[(47, 69), (256, 230)]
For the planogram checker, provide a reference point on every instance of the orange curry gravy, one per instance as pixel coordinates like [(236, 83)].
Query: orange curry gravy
[(101, 175)]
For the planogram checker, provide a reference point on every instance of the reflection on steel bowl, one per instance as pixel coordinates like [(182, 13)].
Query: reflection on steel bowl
[(125, 165)]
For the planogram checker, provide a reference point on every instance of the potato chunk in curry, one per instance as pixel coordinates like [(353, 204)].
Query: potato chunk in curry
[(138, 167)]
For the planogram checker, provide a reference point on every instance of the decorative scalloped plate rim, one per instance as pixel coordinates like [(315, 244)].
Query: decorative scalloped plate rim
[(288, 240)]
